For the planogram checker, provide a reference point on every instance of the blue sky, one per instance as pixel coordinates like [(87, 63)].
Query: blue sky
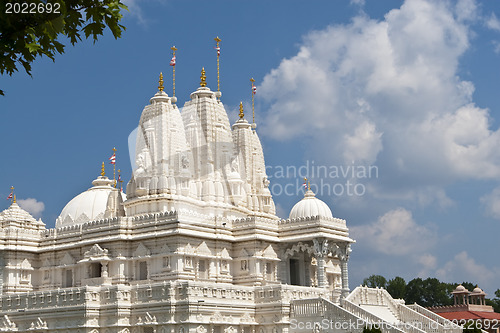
[(407, 87)]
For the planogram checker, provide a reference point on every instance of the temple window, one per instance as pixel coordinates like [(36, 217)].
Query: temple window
[(143, 270), (67, 278), (95, 270)]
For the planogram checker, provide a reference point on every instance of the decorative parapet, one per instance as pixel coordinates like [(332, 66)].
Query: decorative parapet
[(461, 307), (302, 221)]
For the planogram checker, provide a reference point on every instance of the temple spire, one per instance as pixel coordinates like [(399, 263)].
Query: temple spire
[(203, 78), (241, 111), (103, 173)]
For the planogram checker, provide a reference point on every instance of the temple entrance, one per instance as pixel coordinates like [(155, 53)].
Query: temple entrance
[(294, 272)]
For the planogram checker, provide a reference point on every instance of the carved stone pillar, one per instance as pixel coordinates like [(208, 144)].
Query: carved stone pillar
[(104, 269), (320, 252), (343, 251)]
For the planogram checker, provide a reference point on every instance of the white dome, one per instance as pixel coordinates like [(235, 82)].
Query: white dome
[(310, 206), (90, 205)]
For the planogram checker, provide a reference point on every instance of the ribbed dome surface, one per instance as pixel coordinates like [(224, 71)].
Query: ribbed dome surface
[(87, 206), (310, 206)]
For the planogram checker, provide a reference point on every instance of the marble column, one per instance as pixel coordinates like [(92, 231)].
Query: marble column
[(343, 251), (320, 252)]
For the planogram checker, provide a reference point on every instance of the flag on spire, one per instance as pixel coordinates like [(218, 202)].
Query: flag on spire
[(218, 50), (11, 193), (305, 183), (112, 159), (172, 62), (254, 89)]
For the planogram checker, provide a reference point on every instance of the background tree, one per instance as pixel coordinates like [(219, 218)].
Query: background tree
[(397, 287), (495, 302), (374, 281), (429, 292), (468, 285), (23, 37)]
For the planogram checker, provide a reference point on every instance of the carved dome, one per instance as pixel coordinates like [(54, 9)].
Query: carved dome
[(98, 202), (460, 289), (478, 290), (310, 206)]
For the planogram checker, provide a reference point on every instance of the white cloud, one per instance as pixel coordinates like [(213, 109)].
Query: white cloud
[(376, 97), (395, 233), (428, 262), (32, 206), (358, 2), (493, 23), (491, 203), (464, 268), (135, 10), (388, 92), (364, 144)]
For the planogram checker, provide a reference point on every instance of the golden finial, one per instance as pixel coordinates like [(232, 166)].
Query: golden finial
[(102, 170), (203, 78), (14, 201), (160, 83), (241, 111)]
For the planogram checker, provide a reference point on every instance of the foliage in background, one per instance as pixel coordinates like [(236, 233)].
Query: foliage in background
[(23, 37), (428, 292)]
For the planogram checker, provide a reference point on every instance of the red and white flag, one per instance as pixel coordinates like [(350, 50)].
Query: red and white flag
[(10, 196), (172, 62), (112, 159), (218, 50), (254, 89)]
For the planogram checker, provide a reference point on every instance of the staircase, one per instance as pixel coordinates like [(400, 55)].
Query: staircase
[(364, 307)]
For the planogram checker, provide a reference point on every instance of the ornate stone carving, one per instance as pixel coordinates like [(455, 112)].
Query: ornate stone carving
[(38, 324), (7, 324), (320, 247), (96, 252), (141, 251), (297, 248)]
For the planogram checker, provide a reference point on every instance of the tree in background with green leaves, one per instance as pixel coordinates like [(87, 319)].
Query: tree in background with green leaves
[(397, 287), (428, 292), (375, 281), (24, 37)]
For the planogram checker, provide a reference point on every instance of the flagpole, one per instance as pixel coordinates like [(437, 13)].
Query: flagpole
[(253, 104), (114, 167), (120, 180), (218, 40), (12, 196), (173, 48)]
